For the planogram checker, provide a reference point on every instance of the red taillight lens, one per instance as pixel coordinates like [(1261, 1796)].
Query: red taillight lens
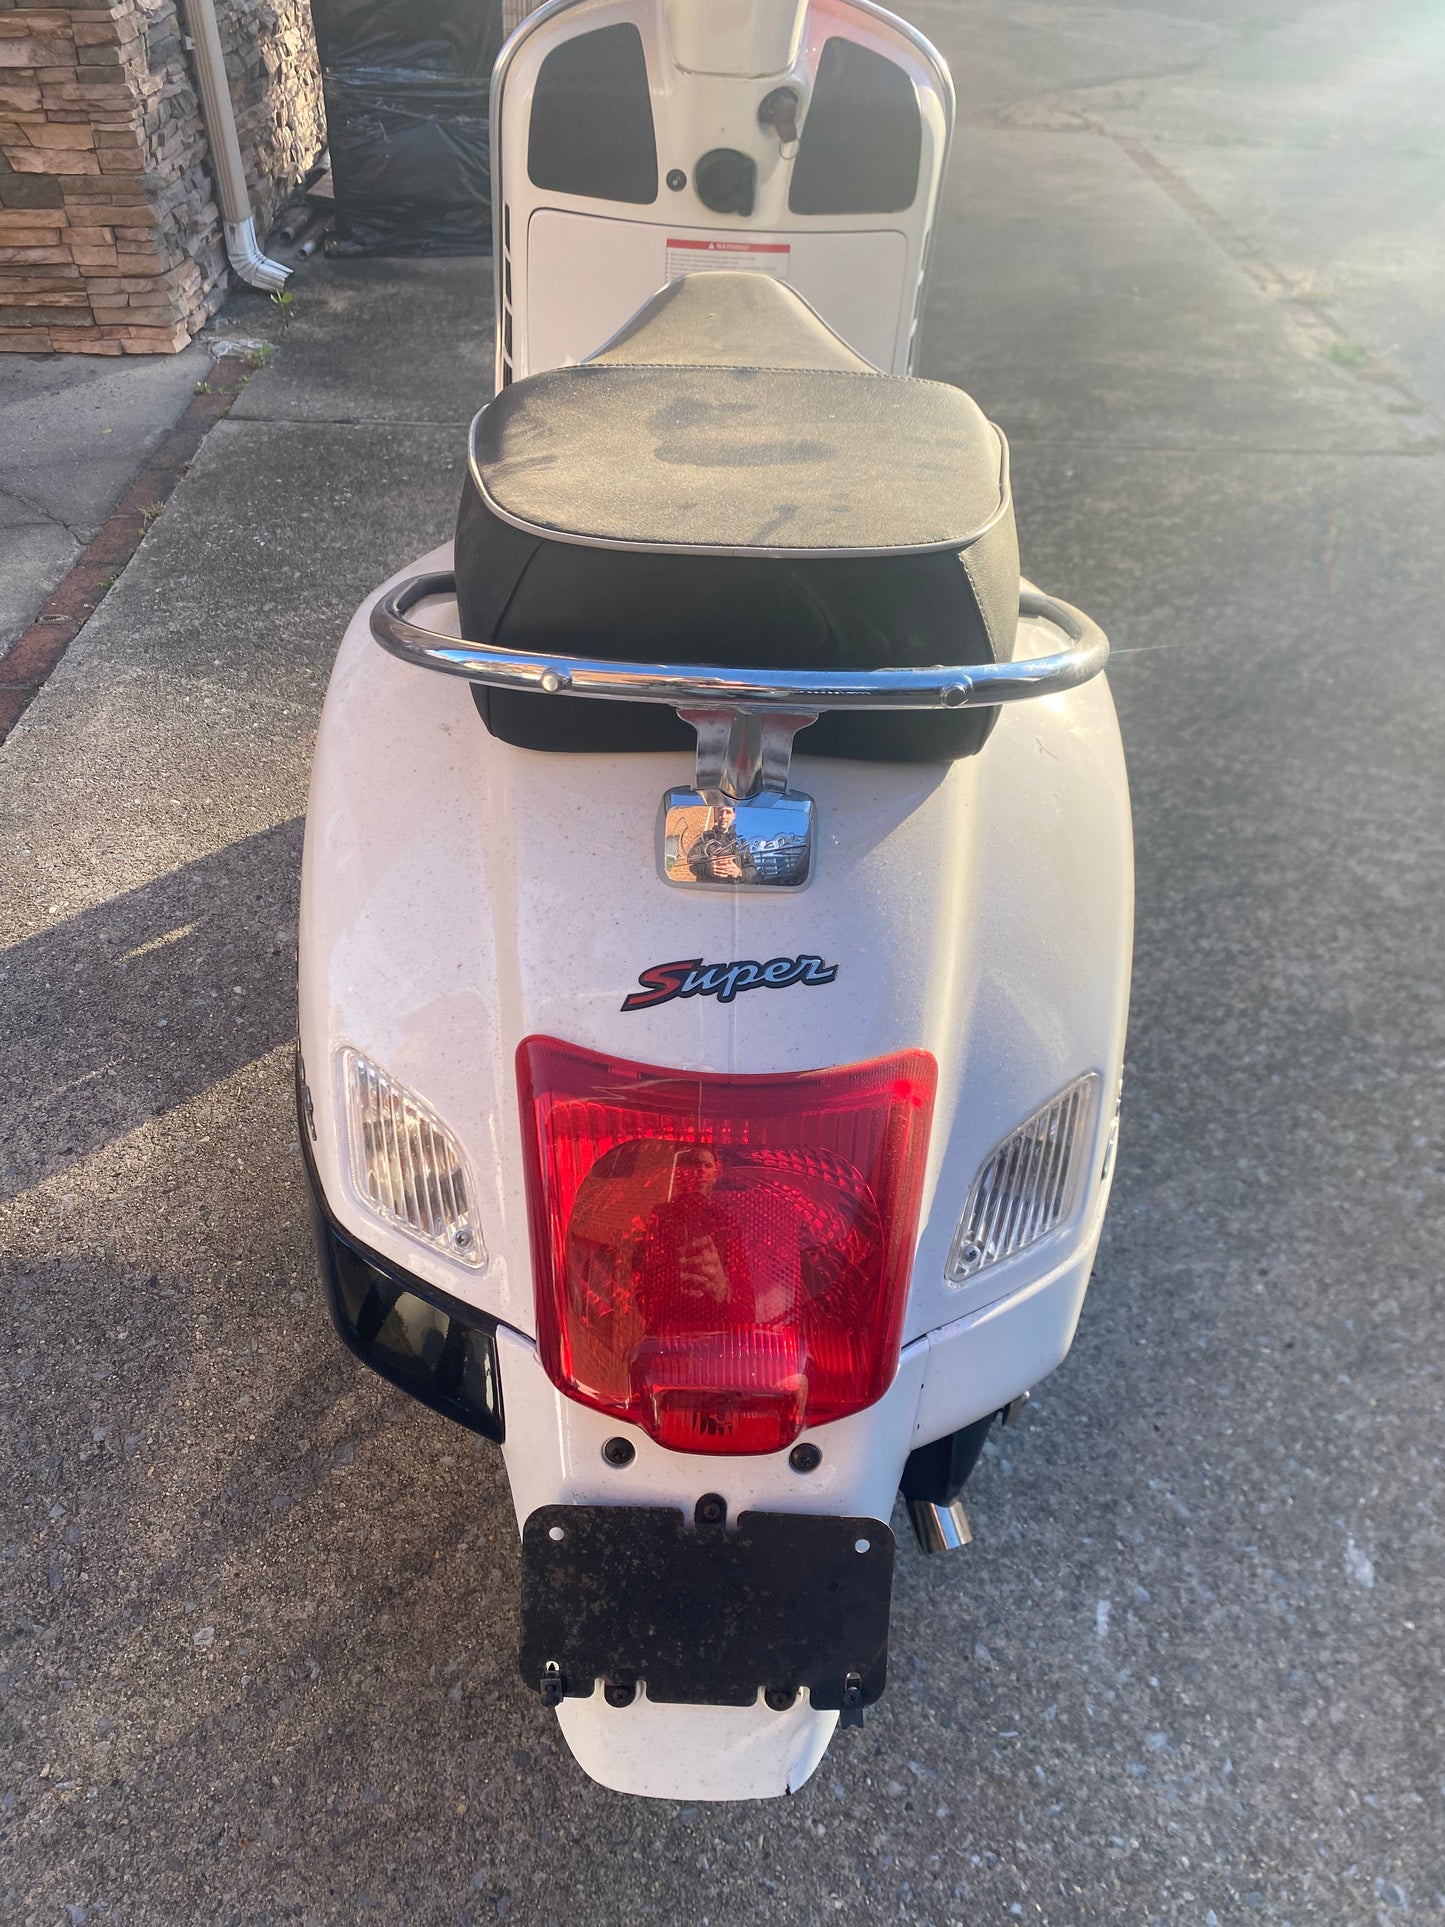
[(722, 1260)]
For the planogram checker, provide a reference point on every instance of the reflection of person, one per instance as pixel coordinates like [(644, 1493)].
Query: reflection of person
[(692, 1261), (721, 854)]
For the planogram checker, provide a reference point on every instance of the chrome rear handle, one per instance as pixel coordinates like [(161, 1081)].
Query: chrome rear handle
[(698, 686)]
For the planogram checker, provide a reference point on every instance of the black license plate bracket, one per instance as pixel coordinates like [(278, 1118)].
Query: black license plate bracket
[(703, 1614)]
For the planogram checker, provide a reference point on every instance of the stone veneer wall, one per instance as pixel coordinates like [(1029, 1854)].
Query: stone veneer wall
[(110, 237)]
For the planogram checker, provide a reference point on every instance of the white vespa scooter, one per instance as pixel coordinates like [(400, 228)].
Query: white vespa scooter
[(716, 909)]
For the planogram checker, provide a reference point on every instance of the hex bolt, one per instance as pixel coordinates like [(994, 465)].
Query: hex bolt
[(712, 1509), (619, 1452), (805, 1458), (780, 1698)]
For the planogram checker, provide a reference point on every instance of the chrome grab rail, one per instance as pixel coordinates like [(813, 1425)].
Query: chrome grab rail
[(979, 686)]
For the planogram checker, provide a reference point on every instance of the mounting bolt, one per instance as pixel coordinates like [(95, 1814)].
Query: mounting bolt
[(711, 1510), (619, 1451), (780, 1698), (677, 180), (852, 1709), (619, 1692), (805, 1458)]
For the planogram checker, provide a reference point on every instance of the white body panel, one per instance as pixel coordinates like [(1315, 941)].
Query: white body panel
[(459, 894), (860, 282), (572, 269), (748, 39)]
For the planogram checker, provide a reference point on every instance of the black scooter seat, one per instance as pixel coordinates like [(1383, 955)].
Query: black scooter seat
[(728, 482), (674, 440)]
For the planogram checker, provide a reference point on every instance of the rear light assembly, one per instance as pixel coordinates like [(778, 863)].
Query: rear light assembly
[(722, 1260)]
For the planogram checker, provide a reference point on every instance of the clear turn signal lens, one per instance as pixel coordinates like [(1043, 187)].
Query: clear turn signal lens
[(1029, 1185), (405, 1164)]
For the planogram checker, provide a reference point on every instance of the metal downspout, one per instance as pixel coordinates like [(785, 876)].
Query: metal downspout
[(219, 114)]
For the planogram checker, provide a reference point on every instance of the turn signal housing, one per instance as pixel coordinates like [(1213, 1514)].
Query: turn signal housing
[(406, 1165), (1027, 1186), (722, 1260)]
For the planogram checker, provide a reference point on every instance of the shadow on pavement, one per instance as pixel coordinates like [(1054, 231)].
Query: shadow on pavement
[(126, 1011)]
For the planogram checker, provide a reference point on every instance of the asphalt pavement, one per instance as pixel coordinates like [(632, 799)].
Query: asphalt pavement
[(258, 1633)]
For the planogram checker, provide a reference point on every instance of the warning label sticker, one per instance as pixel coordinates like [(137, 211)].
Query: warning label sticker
[(757, 257)]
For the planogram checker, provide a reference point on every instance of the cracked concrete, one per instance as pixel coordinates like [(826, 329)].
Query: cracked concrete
[(73, 430)]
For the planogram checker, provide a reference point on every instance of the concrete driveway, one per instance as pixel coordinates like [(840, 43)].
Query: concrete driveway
[(73, 430), (258, 1610)]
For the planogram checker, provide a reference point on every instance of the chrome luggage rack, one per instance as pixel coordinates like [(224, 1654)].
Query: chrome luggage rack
[(740, 825), (694, 686)]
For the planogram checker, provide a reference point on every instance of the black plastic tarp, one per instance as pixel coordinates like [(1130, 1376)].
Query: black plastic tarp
[(407, 84)]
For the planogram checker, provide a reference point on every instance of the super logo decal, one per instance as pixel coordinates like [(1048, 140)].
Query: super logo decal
[(693, 978)]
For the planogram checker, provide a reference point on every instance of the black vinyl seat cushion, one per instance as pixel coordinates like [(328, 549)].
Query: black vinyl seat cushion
[(674, 502)]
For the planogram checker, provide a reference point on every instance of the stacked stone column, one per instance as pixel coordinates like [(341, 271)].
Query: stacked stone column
[(110, 238)]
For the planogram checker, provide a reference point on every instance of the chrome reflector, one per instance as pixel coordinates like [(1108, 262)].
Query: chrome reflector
[(1028, 1185), (406, 1165)]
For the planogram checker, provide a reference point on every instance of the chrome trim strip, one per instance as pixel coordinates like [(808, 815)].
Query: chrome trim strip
[(932, 57), (978, 686), (745, 550), (927, 52), (501, 67)]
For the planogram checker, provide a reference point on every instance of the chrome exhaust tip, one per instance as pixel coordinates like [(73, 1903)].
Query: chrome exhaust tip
[(939, 1528)]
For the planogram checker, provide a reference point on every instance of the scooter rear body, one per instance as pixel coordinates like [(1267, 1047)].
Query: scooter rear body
[(464, 897)]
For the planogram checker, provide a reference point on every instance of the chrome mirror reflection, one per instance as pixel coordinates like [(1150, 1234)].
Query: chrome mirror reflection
[(739, 827), (709, 837)]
